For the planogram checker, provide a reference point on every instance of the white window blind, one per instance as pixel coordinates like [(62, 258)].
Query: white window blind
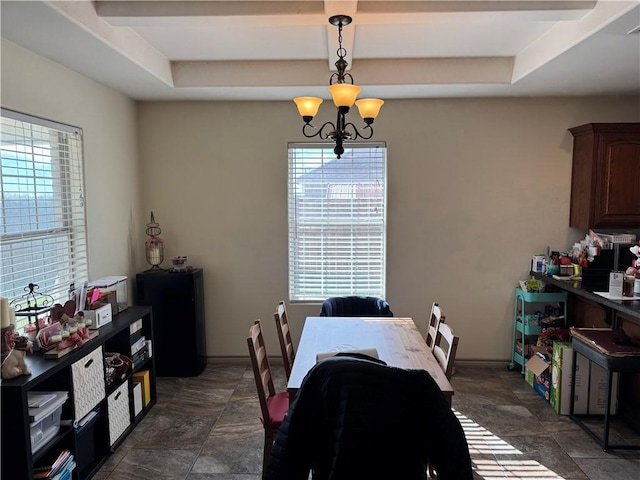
[(337, 221), (43, 236)]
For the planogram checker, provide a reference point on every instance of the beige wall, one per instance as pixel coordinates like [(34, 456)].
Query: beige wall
[(476, 187), (34, 85)]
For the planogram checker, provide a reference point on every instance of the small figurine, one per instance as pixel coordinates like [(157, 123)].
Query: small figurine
[(15, 363)]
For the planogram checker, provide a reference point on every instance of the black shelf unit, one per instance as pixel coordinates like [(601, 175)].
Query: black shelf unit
[(177, 299), (55, 375)]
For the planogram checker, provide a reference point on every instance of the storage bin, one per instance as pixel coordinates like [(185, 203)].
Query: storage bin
[(119, 414), (116, 284), (45, 429), (88, 382)]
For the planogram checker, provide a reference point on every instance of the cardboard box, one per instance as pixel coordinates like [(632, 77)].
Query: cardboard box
[(98, 317), (142, 377), (591, 384), (561, 366), (137, 398), (598, 391), (537, 367)]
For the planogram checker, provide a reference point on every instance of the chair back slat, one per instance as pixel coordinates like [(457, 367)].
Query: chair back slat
[(261, 369), (445, 348), (434, 321), (284, 337)]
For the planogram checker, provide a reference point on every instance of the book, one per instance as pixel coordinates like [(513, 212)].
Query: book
[(138, 345), (65, 471), (50, 468), (39, 399)]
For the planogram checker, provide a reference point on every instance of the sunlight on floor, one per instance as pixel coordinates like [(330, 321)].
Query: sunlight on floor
[(483, 442)]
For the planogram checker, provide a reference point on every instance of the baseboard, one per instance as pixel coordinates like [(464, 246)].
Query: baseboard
[(469, 362), (493, 363)]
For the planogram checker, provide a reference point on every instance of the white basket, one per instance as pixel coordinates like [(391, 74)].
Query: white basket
[(618, 237)]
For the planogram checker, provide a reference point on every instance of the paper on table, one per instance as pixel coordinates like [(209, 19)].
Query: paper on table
[(372, 352), (613, 296)]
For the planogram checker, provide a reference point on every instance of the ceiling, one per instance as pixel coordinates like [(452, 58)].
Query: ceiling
[(276, 50)]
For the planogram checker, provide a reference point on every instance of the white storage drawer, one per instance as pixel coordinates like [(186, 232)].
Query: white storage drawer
[(88, 383), (119, 416)]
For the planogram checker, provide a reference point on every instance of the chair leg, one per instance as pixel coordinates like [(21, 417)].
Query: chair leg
[(432, 473), (269, 437)]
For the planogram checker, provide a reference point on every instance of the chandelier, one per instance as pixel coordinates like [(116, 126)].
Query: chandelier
[(344, 94)]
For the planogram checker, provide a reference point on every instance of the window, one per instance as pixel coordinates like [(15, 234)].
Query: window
[(337, 221), (43, 236)]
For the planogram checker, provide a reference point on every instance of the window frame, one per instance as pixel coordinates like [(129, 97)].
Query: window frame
[(43, 225), (368, 235)]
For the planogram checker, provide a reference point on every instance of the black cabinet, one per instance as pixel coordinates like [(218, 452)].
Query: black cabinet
[(177, 300)]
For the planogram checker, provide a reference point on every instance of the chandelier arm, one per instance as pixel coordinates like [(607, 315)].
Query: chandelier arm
[(320, 133), (359, 133)]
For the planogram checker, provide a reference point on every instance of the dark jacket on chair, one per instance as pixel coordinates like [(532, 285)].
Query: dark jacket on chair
[(355, 418), (355, 307)]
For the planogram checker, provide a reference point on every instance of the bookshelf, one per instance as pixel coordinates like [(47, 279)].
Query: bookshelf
[(90, 440)]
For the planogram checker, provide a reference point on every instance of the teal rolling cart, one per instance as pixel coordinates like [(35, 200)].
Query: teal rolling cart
[(526, 327)]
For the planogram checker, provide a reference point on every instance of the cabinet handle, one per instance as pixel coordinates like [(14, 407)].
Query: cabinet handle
[(88, 364), (117, 396)]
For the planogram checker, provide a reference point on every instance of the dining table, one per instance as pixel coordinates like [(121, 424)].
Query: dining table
[(397, 341)]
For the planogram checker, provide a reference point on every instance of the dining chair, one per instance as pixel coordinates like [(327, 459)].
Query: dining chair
[(274, 405), (434, 321), (355, 306), (445, 349), (284, 336), (355, 417)]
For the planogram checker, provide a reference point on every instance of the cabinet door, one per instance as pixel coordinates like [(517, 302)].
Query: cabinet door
[(605, 176), (586, 313), (618, 181)]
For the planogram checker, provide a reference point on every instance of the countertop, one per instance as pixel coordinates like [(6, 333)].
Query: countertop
[(628, 307)]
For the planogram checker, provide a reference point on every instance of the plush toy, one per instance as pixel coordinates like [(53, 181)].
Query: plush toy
[(635, 264), (15, 363)]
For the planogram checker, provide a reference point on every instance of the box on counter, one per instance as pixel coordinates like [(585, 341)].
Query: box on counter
[(142, 377)]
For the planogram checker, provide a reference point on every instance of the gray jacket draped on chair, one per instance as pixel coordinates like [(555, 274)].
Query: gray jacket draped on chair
[(356, 418)]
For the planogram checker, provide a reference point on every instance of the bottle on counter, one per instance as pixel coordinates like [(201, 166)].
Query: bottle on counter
[(628, 286)]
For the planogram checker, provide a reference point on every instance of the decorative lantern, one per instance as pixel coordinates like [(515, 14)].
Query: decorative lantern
[(154, 245)]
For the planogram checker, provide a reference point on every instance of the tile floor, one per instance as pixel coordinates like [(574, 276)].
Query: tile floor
[(208, 428)]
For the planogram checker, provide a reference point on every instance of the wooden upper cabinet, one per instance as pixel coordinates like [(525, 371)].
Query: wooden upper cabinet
[(605, 178)]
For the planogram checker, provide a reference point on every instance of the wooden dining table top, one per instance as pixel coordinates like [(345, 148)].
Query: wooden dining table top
[(397, 340)]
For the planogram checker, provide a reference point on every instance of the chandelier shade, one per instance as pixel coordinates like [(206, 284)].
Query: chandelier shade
[(308, 106), (344, 94), (369, 108)]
